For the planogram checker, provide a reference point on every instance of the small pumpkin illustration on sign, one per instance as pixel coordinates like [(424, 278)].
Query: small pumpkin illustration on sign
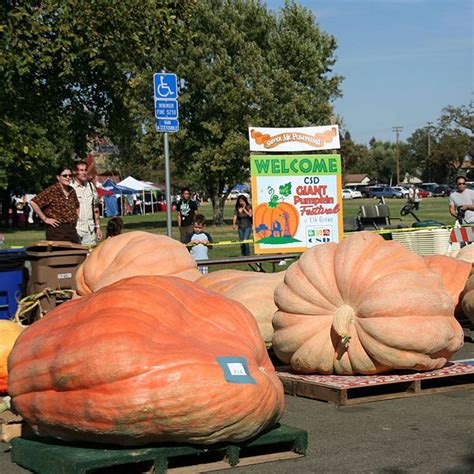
[(276, 221)]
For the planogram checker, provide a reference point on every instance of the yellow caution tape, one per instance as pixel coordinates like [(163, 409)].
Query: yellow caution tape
[(380, 231)]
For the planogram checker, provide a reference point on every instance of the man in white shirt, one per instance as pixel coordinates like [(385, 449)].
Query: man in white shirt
[(88, 224), (461, 202)]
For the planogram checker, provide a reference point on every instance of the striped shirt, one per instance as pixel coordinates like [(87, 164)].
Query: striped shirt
[(88, 201)]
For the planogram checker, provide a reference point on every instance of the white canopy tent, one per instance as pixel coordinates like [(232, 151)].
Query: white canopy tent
[(140, 186)]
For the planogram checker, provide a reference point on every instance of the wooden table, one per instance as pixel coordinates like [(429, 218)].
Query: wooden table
[(254, 261)]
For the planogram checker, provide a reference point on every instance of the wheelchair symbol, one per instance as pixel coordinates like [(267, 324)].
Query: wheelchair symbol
[(163, 89)]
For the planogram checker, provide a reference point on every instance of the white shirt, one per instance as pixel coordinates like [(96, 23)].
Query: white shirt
[(88, 200), (466, 198), (200, 251)]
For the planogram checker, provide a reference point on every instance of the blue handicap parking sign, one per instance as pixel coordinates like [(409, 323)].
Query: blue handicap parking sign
[(165, 86)]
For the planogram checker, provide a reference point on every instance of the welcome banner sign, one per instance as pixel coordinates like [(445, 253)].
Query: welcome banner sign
[(294, 139), (296, 201)]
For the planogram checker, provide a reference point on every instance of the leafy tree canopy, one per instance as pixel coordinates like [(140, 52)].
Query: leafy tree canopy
[(67, 68), (243, 66)]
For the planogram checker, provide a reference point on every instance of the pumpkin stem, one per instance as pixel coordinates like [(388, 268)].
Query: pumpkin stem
[(343, 318)]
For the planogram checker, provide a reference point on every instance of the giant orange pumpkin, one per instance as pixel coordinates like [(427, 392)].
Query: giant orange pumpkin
[(255, 290), (366, 306), (131, 254), (284, 213), (9, 331), (467, 298), (146, 359), (466, 253), (453, 272)]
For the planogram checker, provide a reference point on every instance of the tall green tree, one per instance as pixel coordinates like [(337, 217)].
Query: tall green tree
[(450, 140), (242, 66), (383, 154), (420, 157), (355, 157), (67, 70), (454, 136)]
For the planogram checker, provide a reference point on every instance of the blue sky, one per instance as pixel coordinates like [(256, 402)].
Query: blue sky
[(403, 60)]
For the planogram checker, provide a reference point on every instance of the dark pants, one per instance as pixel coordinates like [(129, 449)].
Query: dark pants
[(244, 234), (64, 232), (185, 231)]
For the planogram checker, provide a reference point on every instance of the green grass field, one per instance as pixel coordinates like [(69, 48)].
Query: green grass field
[(430, 209)]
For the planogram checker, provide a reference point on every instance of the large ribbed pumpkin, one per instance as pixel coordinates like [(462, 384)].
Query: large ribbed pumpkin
[(254, 290), (467, 298), (9, 331), (144, 360), (452, 271), (131, 254), (366, 306), (466, 253)]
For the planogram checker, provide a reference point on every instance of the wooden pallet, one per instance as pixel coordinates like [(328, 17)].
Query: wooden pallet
[(353, 390), (10, 426), (53, 457)]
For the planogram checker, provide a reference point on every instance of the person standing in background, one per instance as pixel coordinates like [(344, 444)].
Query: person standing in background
[(114, 227), (461, 202), (416, 198), (186, 210), (88, 224), (200, 242), (61, 208), (242, 220)]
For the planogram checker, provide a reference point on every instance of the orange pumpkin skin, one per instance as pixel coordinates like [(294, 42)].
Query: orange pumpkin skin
[(453, 272), (135, 363), (264, 214), (365, 306), (254, 290), (466, 254), (131, 254), (9, 332), (467, 298)]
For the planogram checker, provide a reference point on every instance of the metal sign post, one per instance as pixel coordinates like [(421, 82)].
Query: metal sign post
[(165, 91), (167, 184)]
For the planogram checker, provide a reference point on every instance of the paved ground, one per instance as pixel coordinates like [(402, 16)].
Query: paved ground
[(428, 434)]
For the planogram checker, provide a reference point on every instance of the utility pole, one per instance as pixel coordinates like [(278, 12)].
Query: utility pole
[(397, 131), (429, 150)]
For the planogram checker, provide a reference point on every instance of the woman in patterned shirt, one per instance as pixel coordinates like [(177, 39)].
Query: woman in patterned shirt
[(58, 207)]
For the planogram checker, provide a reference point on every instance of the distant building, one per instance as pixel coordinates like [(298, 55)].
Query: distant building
[(410, 179), (363, 179)]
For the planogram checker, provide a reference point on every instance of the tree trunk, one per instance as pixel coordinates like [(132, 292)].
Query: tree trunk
[(218, 208)]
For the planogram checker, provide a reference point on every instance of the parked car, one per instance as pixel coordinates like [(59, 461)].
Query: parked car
[(424, 193), (235, 194), (362, 188), (443, 190), (385, 192), (430, 187), (401, 189), (347, 194), (354, 193)]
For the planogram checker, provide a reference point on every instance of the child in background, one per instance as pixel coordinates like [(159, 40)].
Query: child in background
[(114, 227), (200, 241)]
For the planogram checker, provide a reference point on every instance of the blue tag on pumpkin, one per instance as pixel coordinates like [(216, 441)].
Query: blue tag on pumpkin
[(235, 369)]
